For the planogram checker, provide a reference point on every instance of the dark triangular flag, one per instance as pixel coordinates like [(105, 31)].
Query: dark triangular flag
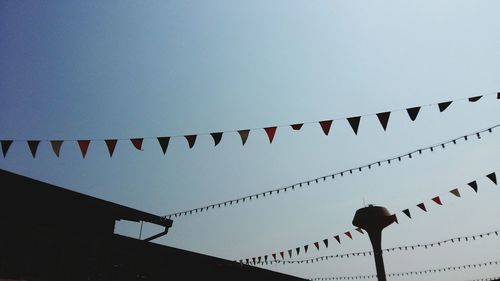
[(274, 256), (305, 248), (437, 200), (111, 144), (498, 96), (290, 253), (33, 145), (413, 112), (358, 229), (492, 177), (407, 213), (474, 99), (383, 117), (337, 238), (297, 127), (325, 241), (137, 143), (191, 139), (164, 143), (354, 122), (84, 146), (297, 250), (348, 234), (422, 206), (473, 184), (56, 146), (5, 146), (395, 218), (455, 192), (325, 125), (270, 131), (244, 135), (443, 105), (217, 137), (282, 254), (316, 244)]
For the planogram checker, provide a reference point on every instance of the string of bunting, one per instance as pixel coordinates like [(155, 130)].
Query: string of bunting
[(454, 240), (410, 273), (350, 171), (303, 248), (486, 279), (163, 141)]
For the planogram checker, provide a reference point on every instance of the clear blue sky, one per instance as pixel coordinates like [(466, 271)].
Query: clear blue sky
[(124, 69)]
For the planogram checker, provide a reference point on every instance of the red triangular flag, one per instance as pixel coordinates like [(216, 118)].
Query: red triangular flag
[(317, 245), (33, 145), (164, 143), (437, 200), (111, 144), (413, 112), (56, 146), (358, 229), (244, 135), (383, 117), (337, 238), (474, 99), (407, 213), (422, 206), (348, 234), (395, 218), (325, 241), (297, 127), (325, 125), (270, 131), (455, 192), (492, 177), (217, 137), (84, 146), (5, 146), (354, 122), (443, 105), (282, 255), (191, 139), (137, 143), (473, 184)]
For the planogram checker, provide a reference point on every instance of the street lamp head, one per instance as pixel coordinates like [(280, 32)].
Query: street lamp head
[(372, 218)]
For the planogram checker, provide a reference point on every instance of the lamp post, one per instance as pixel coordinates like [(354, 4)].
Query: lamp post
[(373, 219)]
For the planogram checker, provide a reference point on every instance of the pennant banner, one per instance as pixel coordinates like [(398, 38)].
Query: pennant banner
[(405, 156), (325, 125)]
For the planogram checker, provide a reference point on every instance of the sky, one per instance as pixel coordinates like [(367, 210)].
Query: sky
[(129, 69)]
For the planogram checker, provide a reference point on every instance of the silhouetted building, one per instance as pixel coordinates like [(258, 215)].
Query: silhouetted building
[(51, 233)]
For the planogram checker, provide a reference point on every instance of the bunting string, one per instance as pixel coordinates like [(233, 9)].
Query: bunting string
[(410, 273), (454, 241), (303, 248), (270, 131), (307, 183), (486, 279)]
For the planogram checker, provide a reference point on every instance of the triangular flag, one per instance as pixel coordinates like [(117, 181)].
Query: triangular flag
[(191, 139), (5, 146), (274, 256), (33, 145), (316, 244), (137, 143), (325, 241), (305, 248), (282, 255), (437, 200), (358, 229), (217, 137), (337, 238), (492, 177), (244, 135), (348, 234), (84, 146), (443, 105), (270, 131), (407, 213), (395, 218), (473, 184), (111, 144), (455, 192), (474, 99), (413, 112), (297, 250), (383, 117), (290, 253), (354, 122), (297, 127), (422, 206), (56, 146), (498, 96), (164, 143), (325, 125)]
